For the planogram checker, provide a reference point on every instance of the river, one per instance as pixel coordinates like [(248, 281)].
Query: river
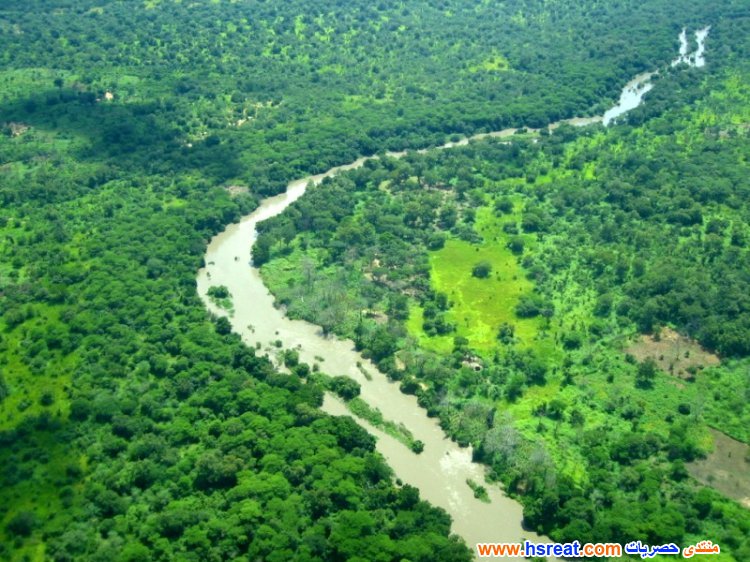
[(696, 58), (441, 471), (633, 92)]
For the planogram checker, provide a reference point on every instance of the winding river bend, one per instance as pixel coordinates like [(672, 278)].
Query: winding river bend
[(441, 471)]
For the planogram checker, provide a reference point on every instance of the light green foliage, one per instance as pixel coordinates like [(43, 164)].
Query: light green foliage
[(221, 297), (480, 492), (479, 307), (363, 410)]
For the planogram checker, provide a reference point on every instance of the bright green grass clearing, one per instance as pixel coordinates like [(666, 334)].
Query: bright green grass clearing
[(478, 306), (494, 63)]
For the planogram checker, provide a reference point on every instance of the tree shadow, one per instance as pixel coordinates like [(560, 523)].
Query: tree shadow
[(140, 137)]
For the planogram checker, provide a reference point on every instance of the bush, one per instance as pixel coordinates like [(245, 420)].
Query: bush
[(533, 305), (646, 373), (218, 292), (47, 398), (516, 245), (504, 206), (291, 358), (4, 390), (506, 333), (347, 388), (22, 524), (572, 340), (482, 270), (436, 241), (223, 326)]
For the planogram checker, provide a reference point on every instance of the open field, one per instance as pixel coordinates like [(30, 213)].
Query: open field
[(478, 306), (727, 468), (673, 352)]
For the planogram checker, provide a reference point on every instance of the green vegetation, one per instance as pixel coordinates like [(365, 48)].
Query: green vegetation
[(362, 409), (480, 492), (606, 234), (348, 390), (221, 297), (482, 269), (479, 305), (136, 427)]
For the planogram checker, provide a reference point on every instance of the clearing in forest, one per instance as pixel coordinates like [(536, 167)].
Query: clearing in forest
[(674, 353), (727, 468), (478, 306)]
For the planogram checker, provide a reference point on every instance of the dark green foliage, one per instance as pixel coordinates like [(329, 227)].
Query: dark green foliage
[(22, 524), (4, 390), (572, 340), (381, 344), (482, 270), (535, 369), (506, 333), (516, 245), (291, 358), (219, 292), (345, 387), (646, 373), (503, 205), (223, 326), (534, 305)]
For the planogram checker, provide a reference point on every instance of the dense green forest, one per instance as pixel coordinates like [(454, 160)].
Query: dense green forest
[(135, 427)]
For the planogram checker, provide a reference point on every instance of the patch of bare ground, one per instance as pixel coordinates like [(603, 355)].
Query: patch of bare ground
[(18, 129), (237, 190), (727, 468), (674, 353), (400, 365)]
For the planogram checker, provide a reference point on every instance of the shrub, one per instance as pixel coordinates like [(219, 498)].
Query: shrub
[(482, 270), (22, 524)]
